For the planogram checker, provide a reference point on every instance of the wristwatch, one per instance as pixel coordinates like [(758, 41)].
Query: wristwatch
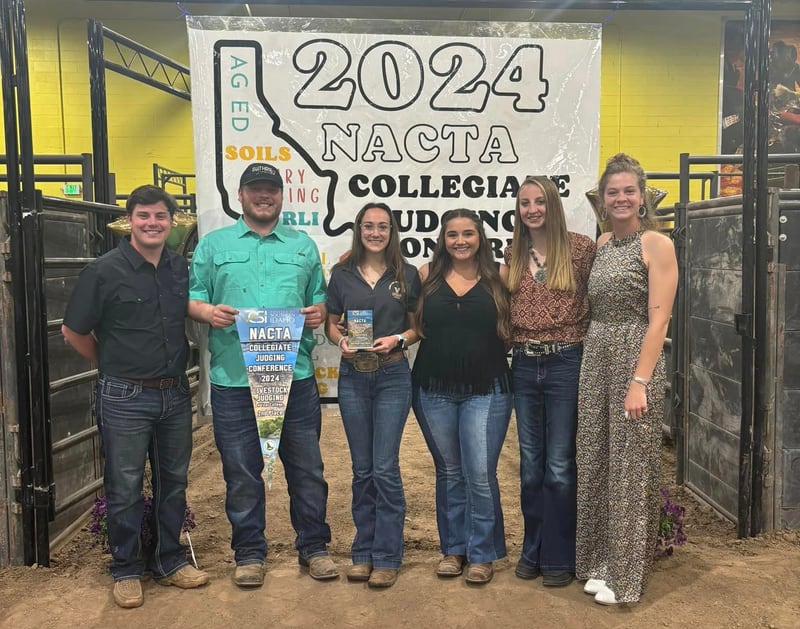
[(401, 341)]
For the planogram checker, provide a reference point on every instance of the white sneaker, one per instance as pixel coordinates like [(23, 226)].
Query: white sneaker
[(593, 586), (605, 597)]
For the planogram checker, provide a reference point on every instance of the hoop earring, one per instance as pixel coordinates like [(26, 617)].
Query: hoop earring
[(642, 211), (603, 215)]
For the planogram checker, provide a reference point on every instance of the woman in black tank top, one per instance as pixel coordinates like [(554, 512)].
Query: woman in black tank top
[(462, 392)]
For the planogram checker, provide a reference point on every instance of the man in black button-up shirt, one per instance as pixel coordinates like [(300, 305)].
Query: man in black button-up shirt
[(127, 314)]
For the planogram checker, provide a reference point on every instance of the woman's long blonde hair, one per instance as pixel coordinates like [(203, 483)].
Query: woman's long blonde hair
[(488, 272), (559, 251)]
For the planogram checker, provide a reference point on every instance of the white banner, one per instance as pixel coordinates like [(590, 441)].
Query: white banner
[(423, 116)]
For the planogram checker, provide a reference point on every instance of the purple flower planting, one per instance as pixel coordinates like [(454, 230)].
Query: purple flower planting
[(98, 526), (670, 526)]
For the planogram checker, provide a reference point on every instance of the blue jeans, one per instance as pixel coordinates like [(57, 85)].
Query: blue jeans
[(546, 405), (236, 436), (465, 434), (374, 409), (133, 422)]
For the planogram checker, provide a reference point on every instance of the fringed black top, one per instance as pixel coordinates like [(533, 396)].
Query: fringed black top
[(461, 352)]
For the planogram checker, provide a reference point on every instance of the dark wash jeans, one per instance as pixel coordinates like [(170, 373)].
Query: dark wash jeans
[(374, 409), (546, 405), (134, 422), (236, 436)]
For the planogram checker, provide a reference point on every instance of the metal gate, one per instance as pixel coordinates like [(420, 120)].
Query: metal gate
[(71, 237), (715, 458), (56, 447), (714, 296)]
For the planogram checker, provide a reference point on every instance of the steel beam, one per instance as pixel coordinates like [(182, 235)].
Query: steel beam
[(571, 5)]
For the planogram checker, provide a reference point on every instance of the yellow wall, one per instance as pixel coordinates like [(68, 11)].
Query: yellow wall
[(660, 88), (145, 125), (660, 82)]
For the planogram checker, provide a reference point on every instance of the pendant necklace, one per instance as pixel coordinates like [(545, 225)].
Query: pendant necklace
[(540, 275), (368, 278)]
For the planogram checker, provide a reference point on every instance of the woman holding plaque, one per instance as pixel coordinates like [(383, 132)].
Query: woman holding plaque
[(462, 392), (374, 292), (548, 276), (621, 393)]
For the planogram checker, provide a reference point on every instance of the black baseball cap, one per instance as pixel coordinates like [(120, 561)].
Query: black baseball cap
[(261, 172)]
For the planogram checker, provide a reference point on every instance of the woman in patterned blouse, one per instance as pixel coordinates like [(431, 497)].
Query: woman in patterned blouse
[(548, 274)]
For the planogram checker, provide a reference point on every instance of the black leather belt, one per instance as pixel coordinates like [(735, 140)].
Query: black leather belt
[(370, 361), (155, 383), (539, 348)]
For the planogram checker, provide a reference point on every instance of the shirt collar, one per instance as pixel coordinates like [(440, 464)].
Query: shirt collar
[(134, 257), (280, 230), (350, 268)]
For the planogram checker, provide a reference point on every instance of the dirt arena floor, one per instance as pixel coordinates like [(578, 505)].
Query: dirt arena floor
[(714, 580)]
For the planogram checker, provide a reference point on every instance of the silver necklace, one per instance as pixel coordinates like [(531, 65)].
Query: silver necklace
[(540, 275), (369, 278)]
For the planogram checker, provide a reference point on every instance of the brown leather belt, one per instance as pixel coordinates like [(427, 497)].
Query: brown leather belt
[(367, 362), (155, 383)]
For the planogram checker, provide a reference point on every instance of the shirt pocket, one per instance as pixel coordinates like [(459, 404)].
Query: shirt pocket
[(291, 275), (233, 274), (133, 309)]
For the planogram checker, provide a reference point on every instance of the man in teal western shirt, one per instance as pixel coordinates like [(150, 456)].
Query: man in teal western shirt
[(259, 263)]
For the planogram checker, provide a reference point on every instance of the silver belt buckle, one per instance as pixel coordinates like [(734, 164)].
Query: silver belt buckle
[(530, 350), (366, 362)]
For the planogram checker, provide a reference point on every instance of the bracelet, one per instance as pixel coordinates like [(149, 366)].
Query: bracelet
[(643, 381), (341, 340)]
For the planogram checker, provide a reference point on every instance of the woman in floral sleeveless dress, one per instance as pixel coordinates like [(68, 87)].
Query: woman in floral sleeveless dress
[(621, 393)]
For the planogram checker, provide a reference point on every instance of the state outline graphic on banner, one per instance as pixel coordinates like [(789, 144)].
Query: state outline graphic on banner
[(276, 131)]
